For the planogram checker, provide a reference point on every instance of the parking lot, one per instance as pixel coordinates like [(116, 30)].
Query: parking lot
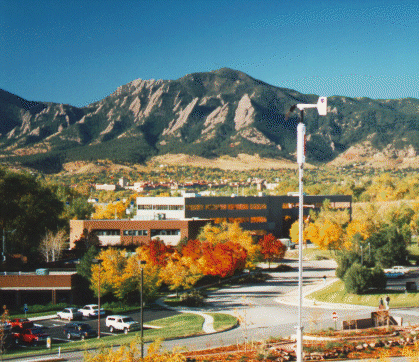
[(54, 327)]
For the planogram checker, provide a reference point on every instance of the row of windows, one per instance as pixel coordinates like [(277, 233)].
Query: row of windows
[(200, 207), (153, 232), (241, 220), (113, 232), (156, 232), (135, 232), (160, 207)]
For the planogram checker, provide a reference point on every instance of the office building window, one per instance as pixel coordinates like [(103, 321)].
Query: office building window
[(258, 219), (113, 232), (216, 207), (194, 207), (258, 206), (238, 207), (145, 207)]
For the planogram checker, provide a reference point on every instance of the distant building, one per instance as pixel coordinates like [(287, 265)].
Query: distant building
[(123, 182), (106, 187)]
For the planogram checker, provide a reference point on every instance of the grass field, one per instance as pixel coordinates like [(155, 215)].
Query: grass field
[(335, 293)]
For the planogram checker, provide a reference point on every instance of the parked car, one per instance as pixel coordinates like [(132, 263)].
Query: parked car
[(71, 314), (91, 310), (31, 335), (121, 323), (397, 269), (79, 330), (23, 323)]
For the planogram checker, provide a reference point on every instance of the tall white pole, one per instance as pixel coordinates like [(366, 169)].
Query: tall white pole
[(301, 130)]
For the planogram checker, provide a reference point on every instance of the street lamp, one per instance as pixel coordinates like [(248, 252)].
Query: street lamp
[(140, 263), (301, 132), (98, 261)]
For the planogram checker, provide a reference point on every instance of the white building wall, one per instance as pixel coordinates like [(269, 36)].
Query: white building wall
[(153, 208)]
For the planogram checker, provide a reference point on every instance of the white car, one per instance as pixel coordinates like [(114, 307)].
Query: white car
[(397, 269), (71, 314), (121, 323), (91, 310)]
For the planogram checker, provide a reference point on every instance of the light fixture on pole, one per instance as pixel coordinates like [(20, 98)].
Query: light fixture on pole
[(301, 135), (140, 263), (99, 262)]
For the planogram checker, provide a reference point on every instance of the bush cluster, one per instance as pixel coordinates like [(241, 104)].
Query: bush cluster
[(193, 299), (359, 278)]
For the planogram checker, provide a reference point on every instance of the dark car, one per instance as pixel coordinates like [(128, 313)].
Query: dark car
[(79, 330)]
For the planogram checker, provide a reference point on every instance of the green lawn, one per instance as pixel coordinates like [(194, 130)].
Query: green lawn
[(181, 325), (223, 321), (335, 293)]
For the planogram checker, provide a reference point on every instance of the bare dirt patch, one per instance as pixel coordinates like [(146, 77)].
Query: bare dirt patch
[(242, 162)]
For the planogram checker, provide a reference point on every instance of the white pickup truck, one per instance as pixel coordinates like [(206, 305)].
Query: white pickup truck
[(121, 323)]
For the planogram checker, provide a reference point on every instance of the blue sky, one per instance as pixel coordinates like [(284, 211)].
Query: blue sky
[(78, 52)]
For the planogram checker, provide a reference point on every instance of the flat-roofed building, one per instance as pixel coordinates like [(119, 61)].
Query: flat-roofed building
[(273, 214), (137, 232)]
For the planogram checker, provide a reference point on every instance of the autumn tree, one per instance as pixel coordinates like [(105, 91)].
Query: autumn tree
[(271, 247), (222, 259), (3, 333), (180, 272), (110, 272), (326, 228), (232, 232), (110, 211), (131, 280), (130, 353), (52, 245)]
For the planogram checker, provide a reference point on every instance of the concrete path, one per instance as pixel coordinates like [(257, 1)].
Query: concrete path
[(207, 327), (292, 298)]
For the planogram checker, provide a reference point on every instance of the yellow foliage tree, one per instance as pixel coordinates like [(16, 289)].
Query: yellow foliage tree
[(110, 211), (131, 353), (180, 273), (120, 275), (111, 271)]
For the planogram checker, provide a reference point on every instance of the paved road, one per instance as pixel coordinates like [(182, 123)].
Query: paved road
[(270, 309)]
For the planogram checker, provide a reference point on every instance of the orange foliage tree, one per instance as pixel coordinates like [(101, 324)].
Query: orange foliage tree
[(271, 247), (222, 259)]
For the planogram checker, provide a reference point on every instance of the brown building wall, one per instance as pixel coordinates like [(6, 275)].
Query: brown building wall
[(188, 228), (25, 281)]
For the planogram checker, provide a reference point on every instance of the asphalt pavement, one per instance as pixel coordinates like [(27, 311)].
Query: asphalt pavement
[(267, 309)]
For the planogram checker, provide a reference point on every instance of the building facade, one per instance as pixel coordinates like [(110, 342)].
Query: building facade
[(273, 214), (137, 232)]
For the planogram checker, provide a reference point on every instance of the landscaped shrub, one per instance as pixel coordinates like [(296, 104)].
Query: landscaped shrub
[(345, 260), (192, 299), (378, 278), (357, 279)]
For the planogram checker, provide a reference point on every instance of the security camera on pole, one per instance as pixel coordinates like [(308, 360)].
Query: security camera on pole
[(301, 135)]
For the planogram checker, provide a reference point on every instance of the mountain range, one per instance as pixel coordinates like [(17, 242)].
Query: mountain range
[(208, 114)]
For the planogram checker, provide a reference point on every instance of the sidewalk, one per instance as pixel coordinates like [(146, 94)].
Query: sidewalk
[(207, 327), (292, 298)]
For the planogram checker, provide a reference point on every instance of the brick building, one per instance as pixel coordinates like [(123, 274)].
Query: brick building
[(136, 232)]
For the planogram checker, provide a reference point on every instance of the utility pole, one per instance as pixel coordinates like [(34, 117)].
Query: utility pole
[(301, 140)]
